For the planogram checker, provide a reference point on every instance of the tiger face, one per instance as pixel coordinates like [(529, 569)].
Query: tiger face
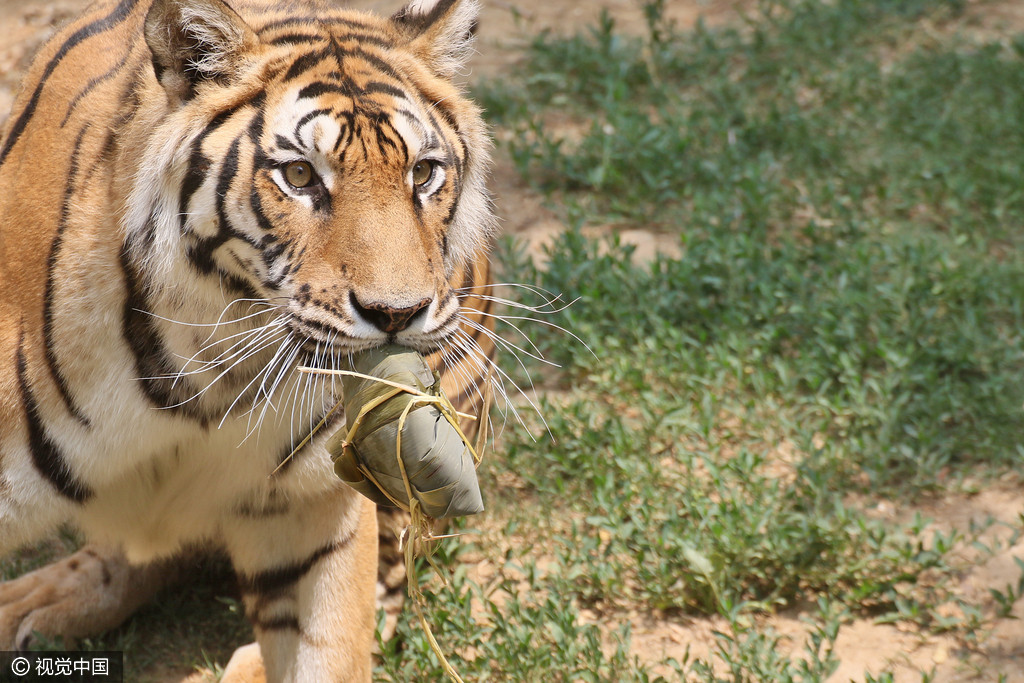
[(365, 191), (344, 193)]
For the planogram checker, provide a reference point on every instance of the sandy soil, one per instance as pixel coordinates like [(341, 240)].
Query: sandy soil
[(905, 651), (862, 645)]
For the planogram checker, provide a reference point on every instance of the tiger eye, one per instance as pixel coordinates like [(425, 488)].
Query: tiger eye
[(299, 173), (421, 172)]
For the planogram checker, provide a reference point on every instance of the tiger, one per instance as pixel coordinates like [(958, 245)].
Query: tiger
[(197, 198)]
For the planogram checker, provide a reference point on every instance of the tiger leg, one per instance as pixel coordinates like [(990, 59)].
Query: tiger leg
[(307, 579), (84, 594), (391, 576)]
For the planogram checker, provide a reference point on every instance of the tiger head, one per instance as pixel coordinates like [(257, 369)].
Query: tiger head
[(319, 159)]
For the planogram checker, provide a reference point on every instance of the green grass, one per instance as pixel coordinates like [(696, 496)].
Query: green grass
[(847, 219), (844, 325)]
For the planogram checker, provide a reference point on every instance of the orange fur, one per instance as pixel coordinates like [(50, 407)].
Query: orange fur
[(161, 276)]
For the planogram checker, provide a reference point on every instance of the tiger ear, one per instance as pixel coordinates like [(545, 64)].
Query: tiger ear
[(440, 32), (194, 41)]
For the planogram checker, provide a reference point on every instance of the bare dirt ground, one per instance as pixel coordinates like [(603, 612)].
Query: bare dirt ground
[(862, 645), (866, 646)]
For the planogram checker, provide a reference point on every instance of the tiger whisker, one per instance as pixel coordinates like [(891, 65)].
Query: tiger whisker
[(224, 357), (284, 356), (536, 290), (295, 401), (469, 344), (506, 344), (245, 339), (251, 352), (539, 321), (450, 362), (505, 404), (547, 308), (220, 320), (462, 373)]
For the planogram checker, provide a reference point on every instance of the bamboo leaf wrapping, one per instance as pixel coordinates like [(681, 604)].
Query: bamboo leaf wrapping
[(438, 463)]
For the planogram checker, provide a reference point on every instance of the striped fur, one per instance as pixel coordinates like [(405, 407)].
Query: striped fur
[(162, 274)]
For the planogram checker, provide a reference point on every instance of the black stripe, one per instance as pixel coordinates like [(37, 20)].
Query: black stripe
[(51, 267), (260, 98), (256, 204), (106, 151), (201, 254), (441, 108), (443, 301), (382, 65), (326, 331), (347, 131), (118, 15), (318, 88), (243, 288), (284, 143), (255, 127), (311, 20), (195, 174), (378, 87), (306, 62), (362, 141), (383, 141), (269, 509), (284, 623), (367, 39), (295, 38), (272, 581), (97, 80), (453, 206), (402, 147), (152, 361), (46, 455), (199, 164), (306, 118), (270, 248)]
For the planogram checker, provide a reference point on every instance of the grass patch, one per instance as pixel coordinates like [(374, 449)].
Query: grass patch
[(807, 114), (844, 325), (847, 218)]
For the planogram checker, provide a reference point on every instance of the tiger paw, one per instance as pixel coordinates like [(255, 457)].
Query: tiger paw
[(85, 594), (245, 666)]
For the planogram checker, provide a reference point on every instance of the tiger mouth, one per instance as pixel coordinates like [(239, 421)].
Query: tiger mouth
[(318, 339)]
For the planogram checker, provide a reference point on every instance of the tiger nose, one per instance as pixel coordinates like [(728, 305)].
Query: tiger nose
[(387, 318)]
